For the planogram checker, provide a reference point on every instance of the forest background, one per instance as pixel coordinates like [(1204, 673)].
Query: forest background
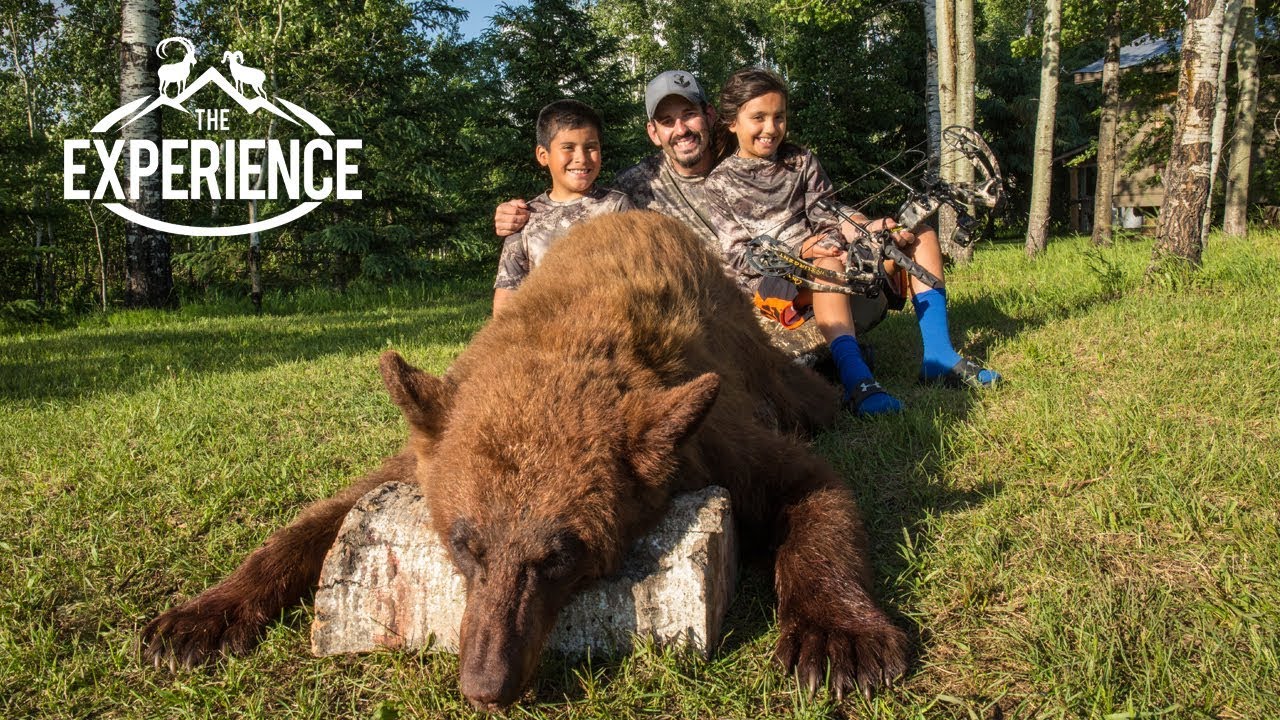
[(446, 120)]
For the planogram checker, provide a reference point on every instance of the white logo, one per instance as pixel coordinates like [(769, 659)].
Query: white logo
[(192, 169)]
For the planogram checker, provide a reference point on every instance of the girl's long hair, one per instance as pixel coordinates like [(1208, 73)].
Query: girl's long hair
[(741, 88)]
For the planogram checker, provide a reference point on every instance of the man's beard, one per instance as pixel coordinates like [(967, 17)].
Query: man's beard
[(691, 161)]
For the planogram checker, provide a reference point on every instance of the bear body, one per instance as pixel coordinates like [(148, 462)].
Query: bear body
[(627, 368)]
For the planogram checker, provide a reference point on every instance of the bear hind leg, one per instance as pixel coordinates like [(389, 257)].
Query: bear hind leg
[(230, 617)]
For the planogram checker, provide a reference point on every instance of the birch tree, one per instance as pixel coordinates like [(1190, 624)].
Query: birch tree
[(933, 110), (1104, 190), (966, 58), (1234, 222), (1046, 116), (1187, 175), (945, 26), (1230, 18), (148, 273)]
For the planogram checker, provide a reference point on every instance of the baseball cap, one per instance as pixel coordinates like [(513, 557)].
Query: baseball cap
[(672, 82)]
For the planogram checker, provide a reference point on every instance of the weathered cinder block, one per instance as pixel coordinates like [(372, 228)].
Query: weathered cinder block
[(388, 582)]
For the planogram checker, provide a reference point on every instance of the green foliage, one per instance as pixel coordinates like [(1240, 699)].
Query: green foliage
[(380, 255), (547, 51), (709, 38), (858, 104), (22, 312)]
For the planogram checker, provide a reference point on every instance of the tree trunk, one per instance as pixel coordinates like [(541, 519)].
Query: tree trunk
[(15, 41), (39, 271), (933, 112), (1187, 175), (388, 582), (255, 237), (1230, 17), (966, 58), (255, 250), (944, 22), (1104, 191), (148, 272), (1046, 117), (102, 260), (50, 268), (1235, 217)]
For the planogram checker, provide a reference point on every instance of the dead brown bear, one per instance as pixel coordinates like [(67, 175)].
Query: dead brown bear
[(627, 368)]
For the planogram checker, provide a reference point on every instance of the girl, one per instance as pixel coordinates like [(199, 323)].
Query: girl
[(766, 186)]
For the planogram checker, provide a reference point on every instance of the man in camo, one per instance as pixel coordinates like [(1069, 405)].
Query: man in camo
[(672, 181)]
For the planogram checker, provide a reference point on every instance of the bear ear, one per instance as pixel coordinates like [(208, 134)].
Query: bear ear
[(666, 419), (423, 398)]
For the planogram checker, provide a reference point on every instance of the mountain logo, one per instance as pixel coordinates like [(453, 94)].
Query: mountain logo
[(236, 169)]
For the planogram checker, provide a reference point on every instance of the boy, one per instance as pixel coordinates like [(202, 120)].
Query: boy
[(569, 148)]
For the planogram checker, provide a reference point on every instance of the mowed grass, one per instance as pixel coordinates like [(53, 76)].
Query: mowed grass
[(1097, 538)]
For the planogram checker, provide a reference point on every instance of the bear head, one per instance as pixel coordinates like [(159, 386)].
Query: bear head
[(539, 475)]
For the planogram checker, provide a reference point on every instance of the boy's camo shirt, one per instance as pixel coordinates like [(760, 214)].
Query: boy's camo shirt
[(749, 197), (548, 221)]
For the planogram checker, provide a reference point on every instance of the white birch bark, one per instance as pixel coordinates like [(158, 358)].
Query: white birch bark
[(1104, 188), (944, 22), (1046, 118), (1230, 18), (148, 274), (966, 80), (1187, 175), (933, 113), (1235, 217)]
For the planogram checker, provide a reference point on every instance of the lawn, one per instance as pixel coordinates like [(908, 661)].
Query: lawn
[(1097, 538)]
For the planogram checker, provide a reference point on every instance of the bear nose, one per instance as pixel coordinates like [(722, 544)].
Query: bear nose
[(488, 685), (489, 708), (487, 693)]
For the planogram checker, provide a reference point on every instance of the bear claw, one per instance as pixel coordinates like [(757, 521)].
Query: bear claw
[(843, 660), (196, 633)]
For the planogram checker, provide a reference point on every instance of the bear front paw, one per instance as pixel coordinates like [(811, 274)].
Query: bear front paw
[(199, 631), (862, 659)]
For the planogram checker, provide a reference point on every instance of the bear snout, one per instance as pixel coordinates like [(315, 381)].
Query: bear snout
[(504, 628), (495, 668)]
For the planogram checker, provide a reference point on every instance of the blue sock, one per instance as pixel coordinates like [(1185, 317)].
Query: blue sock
[(853, 372), (931, 311), (939, 355)]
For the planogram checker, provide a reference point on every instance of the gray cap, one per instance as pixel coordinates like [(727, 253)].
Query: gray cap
[(672, 82)]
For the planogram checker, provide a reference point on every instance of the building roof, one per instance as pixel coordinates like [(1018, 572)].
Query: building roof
[(1139, 52)]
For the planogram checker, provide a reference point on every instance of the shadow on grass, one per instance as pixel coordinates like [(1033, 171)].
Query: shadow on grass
[(988, 323), (80, 363)]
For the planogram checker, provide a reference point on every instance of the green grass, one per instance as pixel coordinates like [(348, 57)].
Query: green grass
[(1098, 538)]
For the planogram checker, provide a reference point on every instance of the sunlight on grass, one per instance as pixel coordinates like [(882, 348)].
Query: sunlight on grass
[(1096, 538)]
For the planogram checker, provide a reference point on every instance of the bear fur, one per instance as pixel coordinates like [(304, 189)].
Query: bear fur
[(627, 368)]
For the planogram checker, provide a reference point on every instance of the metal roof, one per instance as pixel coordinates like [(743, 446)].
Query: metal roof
[(1142, 50)]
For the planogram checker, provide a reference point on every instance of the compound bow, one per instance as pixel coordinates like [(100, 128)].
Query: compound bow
[(864, 258)]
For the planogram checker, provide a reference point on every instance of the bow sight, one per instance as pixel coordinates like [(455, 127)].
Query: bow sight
[(865, 256)]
